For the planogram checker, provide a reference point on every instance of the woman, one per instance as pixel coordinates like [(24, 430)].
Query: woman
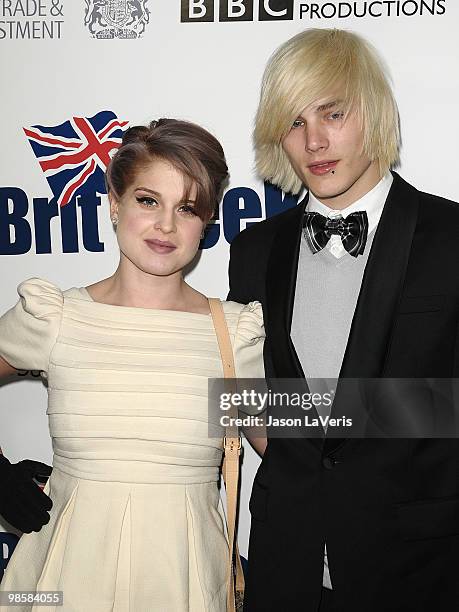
[(136, 522)]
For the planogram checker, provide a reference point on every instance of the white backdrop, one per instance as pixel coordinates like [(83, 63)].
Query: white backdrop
[(53, 68)]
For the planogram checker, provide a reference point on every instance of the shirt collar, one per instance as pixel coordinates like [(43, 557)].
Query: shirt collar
[(372, 202)]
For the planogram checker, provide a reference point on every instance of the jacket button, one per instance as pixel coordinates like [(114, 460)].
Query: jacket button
[(328, 463)]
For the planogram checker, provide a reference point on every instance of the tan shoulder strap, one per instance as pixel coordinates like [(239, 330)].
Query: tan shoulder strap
[(232, 450)]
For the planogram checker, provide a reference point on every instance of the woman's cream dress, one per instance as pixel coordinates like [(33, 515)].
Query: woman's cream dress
[(136, 523)]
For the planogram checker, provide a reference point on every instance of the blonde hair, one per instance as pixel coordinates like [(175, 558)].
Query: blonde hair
[(320, 63)]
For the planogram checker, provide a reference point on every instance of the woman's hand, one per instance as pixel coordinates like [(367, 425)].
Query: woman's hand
[(22, 503), (5, 368), (259, 444), (257, 437)]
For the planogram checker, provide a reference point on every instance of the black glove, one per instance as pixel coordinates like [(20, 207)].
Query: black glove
[(22, 503)]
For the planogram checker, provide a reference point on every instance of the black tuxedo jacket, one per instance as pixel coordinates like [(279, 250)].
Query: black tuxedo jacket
[(387, 509)]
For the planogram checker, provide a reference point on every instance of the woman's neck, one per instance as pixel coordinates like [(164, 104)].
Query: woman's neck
[(141, 290)]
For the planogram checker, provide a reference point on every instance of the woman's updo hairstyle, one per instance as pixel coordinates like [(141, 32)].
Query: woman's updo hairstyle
[(189, 148)]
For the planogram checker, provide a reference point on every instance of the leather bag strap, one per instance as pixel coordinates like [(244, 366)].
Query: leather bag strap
[(232, 451)]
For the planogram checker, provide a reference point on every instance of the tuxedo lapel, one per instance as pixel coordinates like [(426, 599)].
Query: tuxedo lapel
[(380, 291), (382, 283), (280, 292)]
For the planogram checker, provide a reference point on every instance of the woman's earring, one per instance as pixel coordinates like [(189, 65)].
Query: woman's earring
[(115, 221), (202, 234)]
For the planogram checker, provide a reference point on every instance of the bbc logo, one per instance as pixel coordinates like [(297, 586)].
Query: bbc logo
[(236, 10)]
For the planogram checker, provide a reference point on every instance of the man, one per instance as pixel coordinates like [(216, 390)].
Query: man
[(367, 288)]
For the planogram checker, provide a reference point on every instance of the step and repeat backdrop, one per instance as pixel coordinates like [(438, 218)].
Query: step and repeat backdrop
[(76, 73)]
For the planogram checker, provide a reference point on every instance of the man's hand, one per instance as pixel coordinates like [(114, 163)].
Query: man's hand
[(22, 503)]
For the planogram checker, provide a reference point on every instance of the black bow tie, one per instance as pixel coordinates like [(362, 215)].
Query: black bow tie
[(353, 231)]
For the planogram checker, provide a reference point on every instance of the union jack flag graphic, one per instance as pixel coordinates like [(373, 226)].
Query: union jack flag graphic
[(75, 154)]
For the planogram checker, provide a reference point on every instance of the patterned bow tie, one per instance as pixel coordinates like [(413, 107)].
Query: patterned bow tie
[(353, 231)]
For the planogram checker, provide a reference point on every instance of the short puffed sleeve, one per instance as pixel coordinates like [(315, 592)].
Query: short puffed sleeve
[(28, 331), (249, 342)]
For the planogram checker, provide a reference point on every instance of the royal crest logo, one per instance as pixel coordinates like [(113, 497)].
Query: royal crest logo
[(116, 18)]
